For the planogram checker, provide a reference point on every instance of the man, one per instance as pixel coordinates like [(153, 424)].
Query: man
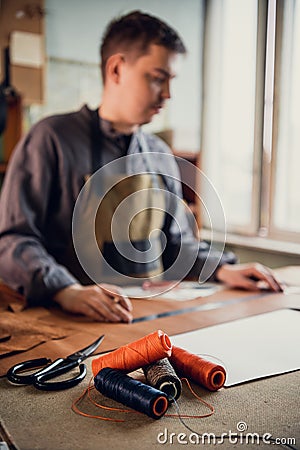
[(50, 166)]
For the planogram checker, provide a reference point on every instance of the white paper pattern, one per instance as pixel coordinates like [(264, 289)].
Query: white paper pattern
[(250, 348)]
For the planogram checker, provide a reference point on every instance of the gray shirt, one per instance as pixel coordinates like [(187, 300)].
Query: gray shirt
[(45, 175)]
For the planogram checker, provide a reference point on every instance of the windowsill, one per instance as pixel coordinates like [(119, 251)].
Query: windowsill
[(256, 243)]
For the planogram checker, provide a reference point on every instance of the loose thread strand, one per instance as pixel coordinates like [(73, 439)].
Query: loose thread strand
[(87, 392), (193, 416), (113, 383), (109, 408), (78, 411)]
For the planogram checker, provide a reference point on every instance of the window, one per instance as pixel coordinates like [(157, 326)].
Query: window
[(251, 109), (285, 218)]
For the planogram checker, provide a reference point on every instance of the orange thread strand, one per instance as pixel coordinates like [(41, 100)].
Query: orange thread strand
[(108, 408), (192, 416), (137, 354), (91, 387), (203, 372), (78, 411)]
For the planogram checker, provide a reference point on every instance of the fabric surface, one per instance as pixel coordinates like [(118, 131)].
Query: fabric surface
[(265, 406)]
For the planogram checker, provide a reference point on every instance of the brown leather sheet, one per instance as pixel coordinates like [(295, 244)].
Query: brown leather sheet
[(19, 333), (20, 328), (53, 333)]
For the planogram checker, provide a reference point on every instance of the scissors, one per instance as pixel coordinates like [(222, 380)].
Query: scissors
[(52, 369)]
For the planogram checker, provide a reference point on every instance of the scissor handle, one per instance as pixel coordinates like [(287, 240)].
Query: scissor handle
[(40, 381), (13, 373), (54, 369)]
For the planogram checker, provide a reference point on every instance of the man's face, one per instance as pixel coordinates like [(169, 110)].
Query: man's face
[(144, 84)]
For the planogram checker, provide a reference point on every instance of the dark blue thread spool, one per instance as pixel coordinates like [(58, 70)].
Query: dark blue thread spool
[(130, 392)]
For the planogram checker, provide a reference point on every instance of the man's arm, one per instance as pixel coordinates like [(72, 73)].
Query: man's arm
[(25, 207), (251, 276), (31, 196)]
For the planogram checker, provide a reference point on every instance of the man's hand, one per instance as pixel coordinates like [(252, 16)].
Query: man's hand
[(252, 276), (103, 303)]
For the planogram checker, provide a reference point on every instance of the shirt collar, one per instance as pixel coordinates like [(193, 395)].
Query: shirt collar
[(109, 131)]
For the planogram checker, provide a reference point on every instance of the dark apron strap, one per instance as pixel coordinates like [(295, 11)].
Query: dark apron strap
[(96, 135), (3, 110)]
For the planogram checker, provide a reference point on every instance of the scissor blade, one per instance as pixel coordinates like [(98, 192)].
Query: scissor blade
[(87, 351)]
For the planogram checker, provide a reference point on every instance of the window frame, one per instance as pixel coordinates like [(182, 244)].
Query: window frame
[(254, 225), (274, 231), (266, 122)]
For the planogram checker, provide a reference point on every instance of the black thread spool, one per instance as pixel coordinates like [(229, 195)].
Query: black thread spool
[(162, 376), (133, 393)]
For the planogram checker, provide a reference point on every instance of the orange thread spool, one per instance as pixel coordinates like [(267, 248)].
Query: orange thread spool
[(201, 371), (137, 354)]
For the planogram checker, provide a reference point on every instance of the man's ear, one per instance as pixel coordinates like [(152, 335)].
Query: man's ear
[(114, 67)]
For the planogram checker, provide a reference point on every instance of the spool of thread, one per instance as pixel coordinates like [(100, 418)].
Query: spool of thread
[(203, 372), (130, 392), (140, 353), (161, 375)]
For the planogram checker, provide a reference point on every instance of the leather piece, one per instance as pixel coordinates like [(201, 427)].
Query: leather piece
[(25, 333)]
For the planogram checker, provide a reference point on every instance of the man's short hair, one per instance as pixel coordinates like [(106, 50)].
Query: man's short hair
[(137, 31)]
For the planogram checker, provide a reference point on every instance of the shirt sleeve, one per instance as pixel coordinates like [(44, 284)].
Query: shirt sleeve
[(25, 202)]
